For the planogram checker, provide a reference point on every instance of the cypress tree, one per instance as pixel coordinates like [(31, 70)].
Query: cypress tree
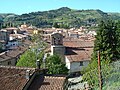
[(107, 41)]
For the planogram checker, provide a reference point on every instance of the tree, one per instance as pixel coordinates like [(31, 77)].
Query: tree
[(28, 59), (55, 66), (56, 25), (107, 42), (112, 81), (36, 52)]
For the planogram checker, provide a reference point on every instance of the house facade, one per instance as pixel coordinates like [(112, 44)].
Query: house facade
[(76, 66), (76, 53)]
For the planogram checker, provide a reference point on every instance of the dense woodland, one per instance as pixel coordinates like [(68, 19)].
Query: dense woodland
[(64, 17)]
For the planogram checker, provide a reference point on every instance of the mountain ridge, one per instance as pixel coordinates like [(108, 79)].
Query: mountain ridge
[(63, 15)]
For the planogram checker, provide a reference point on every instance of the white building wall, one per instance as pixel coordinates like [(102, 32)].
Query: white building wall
[(67, 63), (75, 66)]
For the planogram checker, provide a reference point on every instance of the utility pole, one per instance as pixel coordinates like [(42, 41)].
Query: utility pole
[(99, 71)]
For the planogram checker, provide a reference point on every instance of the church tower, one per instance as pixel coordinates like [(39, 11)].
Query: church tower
[(57, 45)]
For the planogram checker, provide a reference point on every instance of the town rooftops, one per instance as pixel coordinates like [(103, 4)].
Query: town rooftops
[(16, 78), (12, 53), (48, 83), (13, 78)]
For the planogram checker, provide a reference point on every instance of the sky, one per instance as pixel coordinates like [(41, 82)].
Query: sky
[(27, 6)]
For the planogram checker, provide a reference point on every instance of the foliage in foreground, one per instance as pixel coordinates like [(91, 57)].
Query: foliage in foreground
[(107, 42), (55, 65), (28, 59), (110, 76)]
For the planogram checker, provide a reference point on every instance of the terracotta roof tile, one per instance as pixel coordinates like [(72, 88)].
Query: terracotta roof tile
[(55, 83), (76, 55), (12, 53), (77, 43), (77, 49), (47, 83), (13, 78)]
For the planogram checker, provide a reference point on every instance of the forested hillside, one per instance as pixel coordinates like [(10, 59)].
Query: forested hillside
[(61, 16)]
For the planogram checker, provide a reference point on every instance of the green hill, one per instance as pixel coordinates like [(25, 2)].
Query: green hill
[(64, 15)]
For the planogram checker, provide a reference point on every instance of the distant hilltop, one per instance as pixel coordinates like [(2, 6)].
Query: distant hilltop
[(62, 16)]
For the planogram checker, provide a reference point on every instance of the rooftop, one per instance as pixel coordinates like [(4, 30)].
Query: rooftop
[(12, 53), (78, 54), (13, 78), (69, 42), (47, 83)]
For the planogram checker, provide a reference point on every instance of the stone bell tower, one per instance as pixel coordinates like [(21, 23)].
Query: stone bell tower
[(57, 45)]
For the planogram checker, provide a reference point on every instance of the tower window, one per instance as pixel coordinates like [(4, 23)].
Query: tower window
[(81, 63)]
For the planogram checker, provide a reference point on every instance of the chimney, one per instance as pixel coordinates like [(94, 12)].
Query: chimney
[(38, 64), (27, 74)]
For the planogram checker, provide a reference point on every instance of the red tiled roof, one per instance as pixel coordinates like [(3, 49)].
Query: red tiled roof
[(55, 83), (76, 55), (13, 53), (47, 83), (13, 78), (77, 43)]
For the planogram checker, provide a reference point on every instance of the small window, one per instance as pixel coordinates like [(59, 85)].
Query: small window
[(9, 63), (81, 63)]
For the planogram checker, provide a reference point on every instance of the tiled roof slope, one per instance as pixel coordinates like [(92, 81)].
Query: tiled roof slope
[(69, 42), (47, 83), (79, 54), (12, 53), (78, 50), (13, 78)]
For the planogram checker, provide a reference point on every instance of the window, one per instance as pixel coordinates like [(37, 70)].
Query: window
[(9, 63), (81, 63), (13, 44)]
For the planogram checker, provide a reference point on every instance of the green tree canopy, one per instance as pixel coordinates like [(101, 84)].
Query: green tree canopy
[(55, 66), (56, 25), (107, 42), (28, 59), (36, 52)]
